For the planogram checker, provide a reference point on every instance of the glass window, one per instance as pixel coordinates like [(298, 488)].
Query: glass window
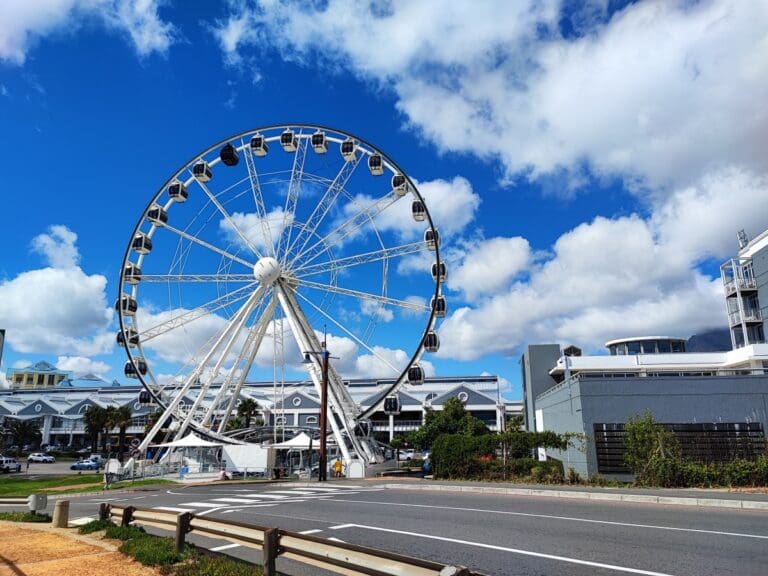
[(664, 347), (633, 348), (649, 347)]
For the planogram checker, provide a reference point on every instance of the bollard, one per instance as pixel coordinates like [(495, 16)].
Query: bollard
[(61, 514), (104, 511), (182, 528)]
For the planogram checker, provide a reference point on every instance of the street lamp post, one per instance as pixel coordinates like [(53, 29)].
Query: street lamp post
[(322, 474)]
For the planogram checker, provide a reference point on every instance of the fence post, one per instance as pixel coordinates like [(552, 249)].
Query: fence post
[(182, 528), (269, 551), (104, 511), (127, 515)]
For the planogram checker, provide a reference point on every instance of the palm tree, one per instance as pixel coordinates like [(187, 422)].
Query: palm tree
[(21, 431), (95, 420), (151, 421), (120, 418), (248, 408)]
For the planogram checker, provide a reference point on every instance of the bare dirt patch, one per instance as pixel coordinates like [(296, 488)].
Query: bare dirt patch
[(46, 553)]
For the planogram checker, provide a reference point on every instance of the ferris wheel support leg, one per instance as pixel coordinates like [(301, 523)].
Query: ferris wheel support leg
[(258, 332), (233, 331), (307, 341), (170, 410)]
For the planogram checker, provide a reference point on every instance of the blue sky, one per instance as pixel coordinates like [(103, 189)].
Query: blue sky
[(594, 161)]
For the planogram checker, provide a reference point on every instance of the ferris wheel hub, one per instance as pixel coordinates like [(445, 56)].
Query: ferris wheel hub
[(267, 270)]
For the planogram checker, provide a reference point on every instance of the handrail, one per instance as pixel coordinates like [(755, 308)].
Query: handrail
[(339, 557)]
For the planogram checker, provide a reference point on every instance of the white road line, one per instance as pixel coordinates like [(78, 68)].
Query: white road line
[(347, 486), (202, 504), (566, 559), (292, 492), (81, 521), (172, 509), (568, 518), (315, 531), (337, 540), (235, 500), (341, 526), (205, 512), (270, 496), (225, 547)]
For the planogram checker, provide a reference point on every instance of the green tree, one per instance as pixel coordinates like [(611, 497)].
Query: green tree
[(248, 408), (22, 431), (152, 419), (120, 418), (515, 422), (652, 451), (452, 419), (95, 420)]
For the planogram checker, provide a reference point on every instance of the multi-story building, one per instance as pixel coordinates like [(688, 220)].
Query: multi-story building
[(39, 375), (745, 280), (59, 410)]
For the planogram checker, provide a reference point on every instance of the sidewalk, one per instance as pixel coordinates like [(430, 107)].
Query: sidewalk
[(40, 550), (701, 497)]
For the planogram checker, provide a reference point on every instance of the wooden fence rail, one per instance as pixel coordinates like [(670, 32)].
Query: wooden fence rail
[(338, 557)]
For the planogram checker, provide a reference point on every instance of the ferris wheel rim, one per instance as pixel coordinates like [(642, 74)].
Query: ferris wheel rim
[(365, 148)]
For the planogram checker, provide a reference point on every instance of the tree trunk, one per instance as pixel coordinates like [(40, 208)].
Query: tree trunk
[(121, 443)]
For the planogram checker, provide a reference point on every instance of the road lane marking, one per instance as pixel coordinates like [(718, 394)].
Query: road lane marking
[(315, 531), (225, 547), (337, 540), (201, 504), (566, 559), (270, 496), (235, 500), (341, 526), (568, 518), (173, 509)]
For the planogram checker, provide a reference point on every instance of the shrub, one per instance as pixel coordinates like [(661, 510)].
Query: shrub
[(124, 532), (24, 517), (152, 550), (573, 476), (95, 526), (204, 565)]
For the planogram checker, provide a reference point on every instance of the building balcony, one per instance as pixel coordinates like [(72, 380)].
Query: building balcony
[(751, 316), (743, 285)]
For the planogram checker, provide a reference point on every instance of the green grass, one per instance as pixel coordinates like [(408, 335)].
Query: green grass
[(124, 533), (24, 517), (204, 565), (152, 550), (95, 526), (23, 486)]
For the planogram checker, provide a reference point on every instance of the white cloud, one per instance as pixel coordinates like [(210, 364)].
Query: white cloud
[(22, 363), (23, 24), (381, 312), (81, 365), (58, 247), (488, 266), (59, 309), (658, 93), (260, 232), (4, 383)]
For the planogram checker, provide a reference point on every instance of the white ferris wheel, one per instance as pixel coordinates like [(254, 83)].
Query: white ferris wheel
[(252, 251)]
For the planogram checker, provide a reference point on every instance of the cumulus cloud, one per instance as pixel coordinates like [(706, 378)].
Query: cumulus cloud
[(24, 24), (58, 247), (80, 365), (260, 232), (59, 309), (656, 93), (488, 266)]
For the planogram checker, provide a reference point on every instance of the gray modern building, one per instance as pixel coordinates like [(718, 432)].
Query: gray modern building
[(716, 403)]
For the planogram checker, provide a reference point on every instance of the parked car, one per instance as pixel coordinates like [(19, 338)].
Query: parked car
[(40, 457), (9, 465), (84, 451), (85, 465), (407, 455)]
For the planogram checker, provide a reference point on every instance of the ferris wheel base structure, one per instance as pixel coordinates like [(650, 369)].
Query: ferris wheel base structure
[(242, 242)]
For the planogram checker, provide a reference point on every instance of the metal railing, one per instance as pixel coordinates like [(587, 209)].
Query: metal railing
[(334, 556)]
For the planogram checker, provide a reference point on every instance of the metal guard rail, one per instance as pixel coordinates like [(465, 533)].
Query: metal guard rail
[(339, 557)]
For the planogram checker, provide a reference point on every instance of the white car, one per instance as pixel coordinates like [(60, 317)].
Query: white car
[(40, 457)]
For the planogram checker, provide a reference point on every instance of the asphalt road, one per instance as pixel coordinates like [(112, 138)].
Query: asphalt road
[(496, 535)]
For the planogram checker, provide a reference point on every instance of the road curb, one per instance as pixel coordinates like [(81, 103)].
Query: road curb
[(602, 496)]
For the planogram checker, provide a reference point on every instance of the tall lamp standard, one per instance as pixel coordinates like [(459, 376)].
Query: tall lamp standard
[(322, 473)]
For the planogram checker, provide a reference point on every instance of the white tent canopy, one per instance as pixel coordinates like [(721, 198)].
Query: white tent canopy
[(299, 442), (191, 440)]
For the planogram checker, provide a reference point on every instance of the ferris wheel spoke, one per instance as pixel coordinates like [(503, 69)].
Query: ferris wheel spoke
[(292, 198), (191, 315), (183, 278), (366, 296), (228, 218), (207, 245), (360, 259), (258, 200), (343, 230), (332, 192), (349, 333)]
